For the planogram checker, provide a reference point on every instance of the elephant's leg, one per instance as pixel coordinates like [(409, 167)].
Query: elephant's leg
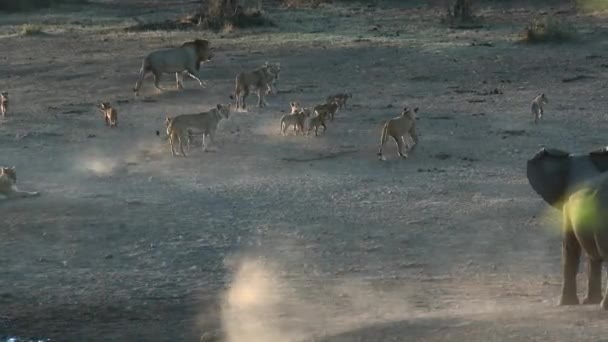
[(604, 303), (594, 282), (571, 254)]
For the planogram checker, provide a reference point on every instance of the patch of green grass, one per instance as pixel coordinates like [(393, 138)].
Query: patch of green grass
[(592, 5), (31, 30), (548, 30)]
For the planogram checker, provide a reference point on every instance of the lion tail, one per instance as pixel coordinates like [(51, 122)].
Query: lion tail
[(383, 137), (282, 123)]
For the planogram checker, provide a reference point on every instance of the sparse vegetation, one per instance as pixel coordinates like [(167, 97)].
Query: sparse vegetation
[(547, 30), (217, 15), (31, 29), (461, 15), (304, 3), (30, 5)]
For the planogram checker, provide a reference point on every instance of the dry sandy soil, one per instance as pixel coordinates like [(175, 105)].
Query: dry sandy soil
[(288, 238)]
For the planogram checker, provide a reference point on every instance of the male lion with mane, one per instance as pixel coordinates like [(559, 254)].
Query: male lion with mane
[(186, 58)]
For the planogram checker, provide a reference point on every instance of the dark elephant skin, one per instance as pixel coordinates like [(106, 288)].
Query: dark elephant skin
[(576, 184), (585, 228), (555, 174)]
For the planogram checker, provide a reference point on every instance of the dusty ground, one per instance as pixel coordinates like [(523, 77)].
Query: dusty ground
[(127, 243)]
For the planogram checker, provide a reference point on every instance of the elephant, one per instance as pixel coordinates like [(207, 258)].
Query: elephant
[(578, 186)]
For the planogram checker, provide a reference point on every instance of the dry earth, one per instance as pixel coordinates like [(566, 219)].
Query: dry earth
[(288, 239)]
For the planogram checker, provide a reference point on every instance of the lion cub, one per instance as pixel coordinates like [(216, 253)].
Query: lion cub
[(400, 128), (316, 122), (537, 106), (296, 118), (340, 99), (8, 189), (328, 110), (4, 103), (110, 114)]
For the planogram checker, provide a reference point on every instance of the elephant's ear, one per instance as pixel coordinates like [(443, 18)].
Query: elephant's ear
[(600, 158), (548, 173)]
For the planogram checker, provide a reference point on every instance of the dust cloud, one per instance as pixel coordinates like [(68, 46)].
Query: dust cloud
[(264, 304)]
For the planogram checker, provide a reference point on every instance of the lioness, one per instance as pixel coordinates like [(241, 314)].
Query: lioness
[(110, 114), (296, 118), (8, 189), (340, 99), (400, 128), (186, 58), (537, 106), (4, 103), (328, 110), (261, 79), (180, 128)]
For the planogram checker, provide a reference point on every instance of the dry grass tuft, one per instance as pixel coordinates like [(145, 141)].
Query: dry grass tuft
[(461, 15), (304, 3), (31, 30), (548, 30)]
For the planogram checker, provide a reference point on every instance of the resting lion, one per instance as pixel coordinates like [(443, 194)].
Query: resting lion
[(8, 189), (181, 128), (402, 129), (186, 58), (261, 80)]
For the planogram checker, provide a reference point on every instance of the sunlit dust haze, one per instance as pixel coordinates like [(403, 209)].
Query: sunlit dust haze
[(263, 304), (99, 166)]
